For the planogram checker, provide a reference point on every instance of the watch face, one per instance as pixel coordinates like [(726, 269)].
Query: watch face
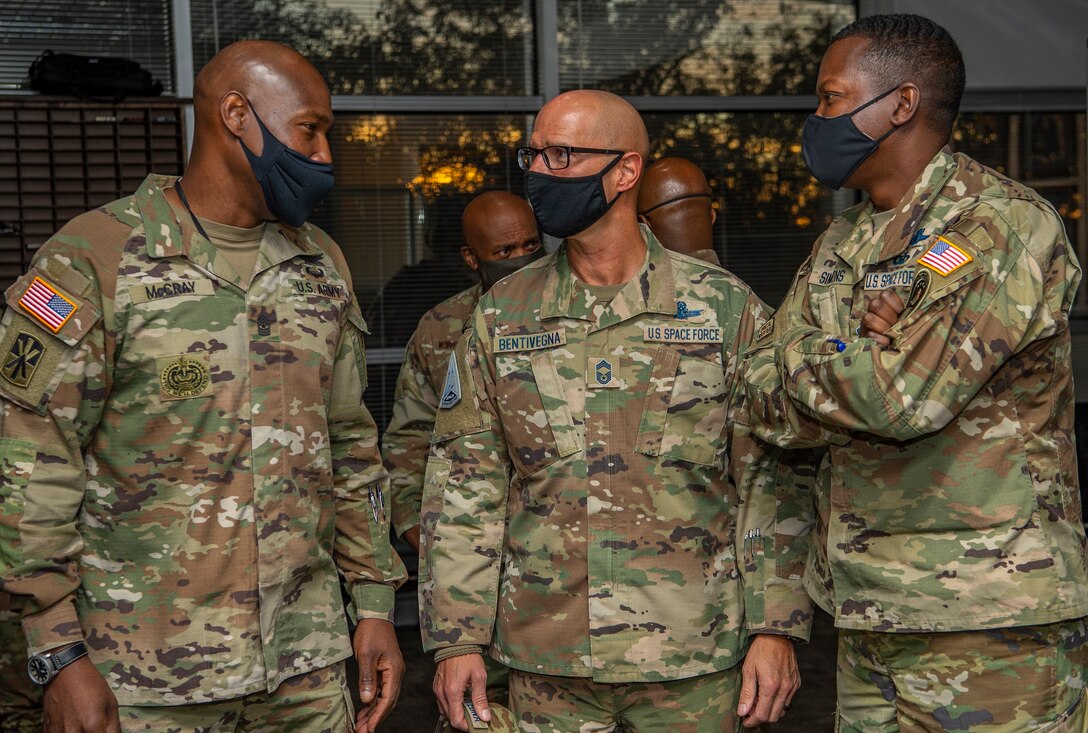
[(39, 670)]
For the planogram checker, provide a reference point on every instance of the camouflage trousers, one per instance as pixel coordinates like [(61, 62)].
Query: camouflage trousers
[(20, 699), (316, 702), (995, 681), (547, 704)]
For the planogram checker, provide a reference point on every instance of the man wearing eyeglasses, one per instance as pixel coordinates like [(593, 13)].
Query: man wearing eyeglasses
[(591, 518), (674, 200)]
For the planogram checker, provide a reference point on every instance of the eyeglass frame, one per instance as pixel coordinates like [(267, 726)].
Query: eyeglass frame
[(569, 148)]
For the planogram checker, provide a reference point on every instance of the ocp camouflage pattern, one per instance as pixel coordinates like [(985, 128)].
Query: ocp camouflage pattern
[(201, 469), (587, 502), (407, 440), (949, 497)]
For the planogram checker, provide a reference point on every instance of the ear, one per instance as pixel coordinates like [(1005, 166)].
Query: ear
[(908, 96), (629, 172), (469, 258), (234, 112), (713, 215)]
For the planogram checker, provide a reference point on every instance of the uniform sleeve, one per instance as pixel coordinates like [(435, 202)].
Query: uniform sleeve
[(53, 384), (775, 515), (957, 331), (464, 506), (361, 548), (407, 440)]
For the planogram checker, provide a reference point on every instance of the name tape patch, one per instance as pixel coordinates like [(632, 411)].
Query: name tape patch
[(529, 341), (162, 290), (312, 287), (683, 334)]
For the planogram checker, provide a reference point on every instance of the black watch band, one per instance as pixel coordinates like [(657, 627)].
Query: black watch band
[(44, 667)]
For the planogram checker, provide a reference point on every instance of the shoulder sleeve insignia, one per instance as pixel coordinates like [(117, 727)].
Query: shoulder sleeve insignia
[(22, 359), (47, 304), (451, 390), (944, 257)]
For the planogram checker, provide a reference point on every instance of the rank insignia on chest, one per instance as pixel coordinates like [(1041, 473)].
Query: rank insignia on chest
[(47, 304), (601, 372), (944, 257), (22, 359), (451, 390), (264, 323)]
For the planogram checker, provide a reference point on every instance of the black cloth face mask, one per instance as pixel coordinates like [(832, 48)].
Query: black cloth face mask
[(565, 206), (834, 147), (491, 272), (293, 185)]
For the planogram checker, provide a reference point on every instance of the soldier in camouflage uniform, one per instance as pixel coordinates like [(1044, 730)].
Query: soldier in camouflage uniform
[(500, 237), (674, 200), (949, 547), (193, 466), (590, 517)]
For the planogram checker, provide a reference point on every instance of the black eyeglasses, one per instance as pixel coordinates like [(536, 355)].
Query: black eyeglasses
[(556, 157)]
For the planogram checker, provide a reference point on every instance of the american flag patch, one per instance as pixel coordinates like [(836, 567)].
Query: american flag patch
[(43, 302), (944, 257)]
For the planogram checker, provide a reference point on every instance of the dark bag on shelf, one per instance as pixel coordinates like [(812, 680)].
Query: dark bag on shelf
[(88, 77)]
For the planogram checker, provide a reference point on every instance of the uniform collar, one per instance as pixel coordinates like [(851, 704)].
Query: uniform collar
[(169, 234), (909, 213), (652, 290)]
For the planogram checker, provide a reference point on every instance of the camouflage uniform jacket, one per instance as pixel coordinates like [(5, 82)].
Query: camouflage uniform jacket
[(407, 440), (581, 499), (948, 498), (195, 461)]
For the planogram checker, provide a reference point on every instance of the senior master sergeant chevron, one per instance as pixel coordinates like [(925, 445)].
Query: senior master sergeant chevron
[(588, 514)]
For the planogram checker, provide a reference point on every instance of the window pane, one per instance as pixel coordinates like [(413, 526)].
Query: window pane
[(402, 182), (136, 29), (770, 209), (679, 47), (463, 47)]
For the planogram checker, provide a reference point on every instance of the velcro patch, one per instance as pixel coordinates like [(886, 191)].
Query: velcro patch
[(22, 358), (31, 363), (313, 287), (682, 334), (451, 390), (901, 277), (47, 304), (944, 257), (601, 372), (529, 341), (164, 289), (185, 376)]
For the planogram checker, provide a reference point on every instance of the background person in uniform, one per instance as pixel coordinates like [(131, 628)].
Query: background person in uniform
[(500, 237), (194, 468), (674, 200), (588, 513), (949, 548)]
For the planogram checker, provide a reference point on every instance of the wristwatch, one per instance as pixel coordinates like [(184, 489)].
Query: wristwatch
[(44, 667)]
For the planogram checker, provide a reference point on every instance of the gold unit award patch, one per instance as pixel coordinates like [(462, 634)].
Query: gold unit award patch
[(184, 377)]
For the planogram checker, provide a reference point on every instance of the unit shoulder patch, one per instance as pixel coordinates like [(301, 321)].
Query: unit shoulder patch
[(451, 390)]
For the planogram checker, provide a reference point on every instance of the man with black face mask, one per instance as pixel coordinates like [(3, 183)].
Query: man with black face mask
[(184, 447), (591, 517), (925, 346), (500, 237)]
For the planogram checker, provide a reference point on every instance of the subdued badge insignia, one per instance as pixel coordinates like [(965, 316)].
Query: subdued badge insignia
[(765, 330), (22, 359), (603, 371), (683, 312), (315, 271), (184, 377), (919, 288), (451, 390)]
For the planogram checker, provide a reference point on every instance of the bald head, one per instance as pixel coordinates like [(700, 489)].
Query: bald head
[(497, 226), (674, 198), (596, 119)]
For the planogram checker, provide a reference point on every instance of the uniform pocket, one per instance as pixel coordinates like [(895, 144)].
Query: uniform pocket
[(685, 410), (537, 422)]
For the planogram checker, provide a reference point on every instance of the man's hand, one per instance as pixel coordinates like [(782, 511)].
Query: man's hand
[(769, 679), (78, 700), (453, 677), (411, 536), (883, 313), (381, 669)]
